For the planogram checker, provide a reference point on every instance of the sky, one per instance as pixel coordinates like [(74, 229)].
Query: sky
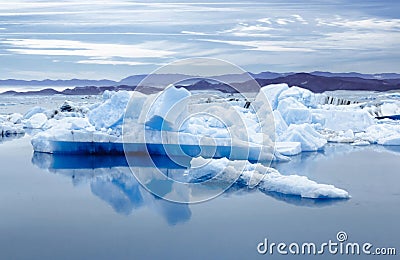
[(114, 39)]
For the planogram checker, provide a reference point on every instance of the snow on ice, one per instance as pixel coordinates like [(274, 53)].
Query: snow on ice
[(303, 122), (266, 178)]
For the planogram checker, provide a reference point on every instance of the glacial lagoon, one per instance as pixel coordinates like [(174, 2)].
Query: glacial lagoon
[(81, 207)]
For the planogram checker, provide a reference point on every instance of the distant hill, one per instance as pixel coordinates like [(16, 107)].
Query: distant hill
[(56, 83), (160, 79), (325, 81), (382, 76), (320, 84)]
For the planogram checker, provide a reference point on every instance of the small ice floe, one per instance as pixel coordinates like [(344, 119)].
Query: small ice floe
[(262, 177), (11, 125)]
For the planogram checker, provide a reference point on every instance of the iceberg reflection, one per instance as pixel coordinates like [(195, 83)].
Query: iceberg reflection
[(111, 180)]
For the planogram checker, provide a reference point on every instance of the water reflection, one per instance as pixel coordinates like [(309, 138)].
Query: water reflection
[(304, 202), (111, 180), (301, 164), (393, 149), (10, 137)]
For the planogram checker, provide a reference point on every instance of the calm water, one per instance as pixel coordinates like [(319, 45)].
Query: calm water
[(60, 207)]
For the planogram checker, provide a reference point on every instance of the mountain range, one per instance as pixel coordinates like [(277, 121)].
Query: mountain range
[(315, 81)]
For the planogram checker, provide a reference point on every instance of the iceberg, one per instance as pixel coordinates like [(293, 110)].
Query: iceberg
[(342, 120), (11, 124), (162, 111), (294, 112), (304, 96), (265, 178), (15, 118), (36, 121), (304, 134), (299, 121), (390, 140), (7, 129), (33, 111), (110, 113), (390, 109), (271, 93), (288, 148)]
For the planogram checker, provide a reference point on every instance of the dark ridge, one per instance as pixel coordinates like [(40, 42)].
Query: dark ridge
[(320, 84), (206, 85), (309, 81)]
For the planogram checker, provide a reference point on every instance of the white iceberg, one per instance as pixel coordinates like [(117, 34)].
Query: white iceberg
[(271, 93), (288, 148), (36, 121), (342, 120), (15, 118), (390, 108), (294, 112), (266, 178), (306, 135), (162, 111), (11, 124), (110, 113), (304, 96), (33, 111)]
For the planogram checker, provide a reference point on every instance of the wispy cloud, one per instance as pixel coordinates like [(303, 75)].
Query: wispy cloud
[(244, 29), (118, 34), (270, 46), (365, 24), (113, 62), (87, 49), (300, 19)]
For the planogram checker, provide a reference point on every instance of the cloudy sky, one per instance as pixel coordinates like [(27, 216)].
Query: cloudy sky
[(113, 39)]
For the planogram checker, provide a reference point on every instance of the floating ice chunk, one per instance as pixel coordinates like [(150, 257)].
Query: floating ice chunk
[(111, 112), (268, 179), (271, 93), (339, 136), (360, 143), (33, 111), (294, 112), (164, 109), (302, 95), (288, 148), (389, 109), (36, 121), (355, 120), (300, 185), (15, 118), (305, 134), (390, 140), (380, 133), (9, 128)]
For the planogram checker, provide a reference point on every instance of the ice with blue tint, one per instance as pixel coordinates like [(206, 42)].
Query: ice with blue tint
[(110, 113), (302, 122), (164, 109), (272, 93), (304, 134), (294, 112), (33, 111)]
